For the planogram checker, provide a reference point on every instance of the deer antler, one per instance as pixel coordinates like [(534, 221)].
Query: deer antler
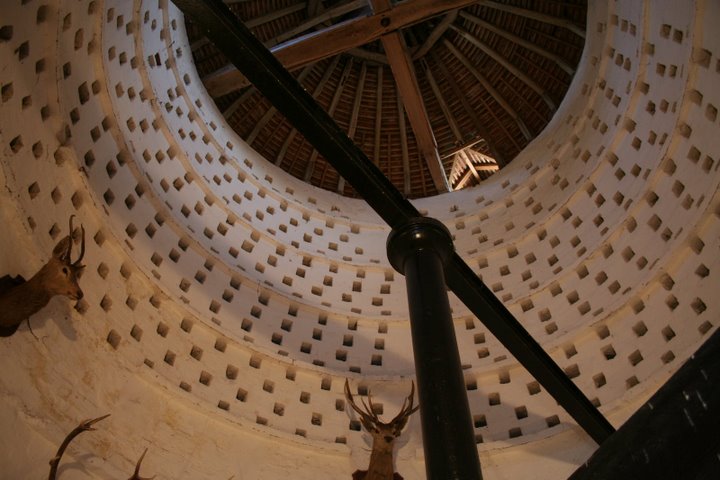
[(84, 426), (368, 415), (383, 435), (407, 407), (76, 263), (136, 475)]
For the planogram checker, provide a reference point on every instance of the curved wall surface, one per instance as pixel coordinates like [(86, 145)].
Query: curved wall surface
[(226, 302)]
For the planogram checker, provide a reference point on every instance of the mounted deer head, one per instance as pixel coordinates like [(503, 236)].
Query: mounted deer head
[(383, 435), (59, 276)]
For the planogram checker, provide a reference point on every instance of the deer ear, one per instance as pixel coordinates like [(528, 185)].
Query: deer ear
[(61, 249)]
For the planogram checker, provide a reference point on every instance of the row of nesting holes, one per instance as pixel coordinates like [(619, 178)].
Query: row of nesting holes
[(232, 372), (277, 337)]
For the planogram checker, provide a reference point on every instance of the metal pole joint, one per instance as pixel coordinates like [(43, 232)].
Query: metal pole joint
[(415, 234)]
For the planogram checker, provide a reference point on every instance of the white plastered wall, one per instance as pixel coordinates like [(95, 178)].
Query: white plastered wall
[(226, 302)]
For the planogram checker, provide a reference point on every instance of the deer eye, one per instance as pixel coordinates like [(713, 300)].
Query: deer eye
[(65, 270)]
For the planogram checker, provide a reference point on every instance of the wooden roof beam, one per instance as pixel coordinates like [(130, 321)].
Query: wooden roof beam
[(443, 106), (464, 179), (491, 90), (275, 14), (533, 47), (479, 126), (354, 115), (331, 109), (470, 165), (318, 89), (540, 17), (378, 115), (404, 146), (505, 63), (336, 39), (326, 16), (272, 110), (409, 91), (435, 35)]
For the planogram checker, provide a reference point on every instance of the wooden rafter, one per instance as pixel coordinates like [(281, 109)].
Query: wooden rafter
[(470, 165), (490, 89), (272, 110), (326, 16), (313, 7), (228, 112), (443, 106), (331, 109), (540, 17), (336, 39), (522, 76), (275, 14), (409, 91), (479, 126), (375, 57), (316, 92), (378, 115), (435, 35), (404, 146), (533, 47), (354, 115)]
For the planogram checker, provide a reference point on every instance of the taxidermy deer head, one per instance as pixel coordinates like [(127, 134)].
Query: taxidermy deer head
[(59, 276), (383, 435)]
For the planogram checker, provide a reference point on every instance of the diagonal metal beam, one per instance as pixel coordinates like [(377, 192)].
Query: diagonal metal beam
[(283, 91), (336, 39)]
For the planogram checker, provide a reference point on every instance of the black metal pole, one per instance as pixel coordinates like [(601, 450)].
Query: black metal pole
[(419, 249)]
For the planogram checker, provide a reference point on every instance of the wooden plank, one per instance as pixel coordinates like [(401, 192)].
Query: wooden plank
[(316, 91), (354, 115), (559, 61), (336, 39), (227, 113), (404, 146), (443, 106), (272, 111), (274, 15), (464, 179), (375, 57), (326, 16), (313, 7), (505, 63), (460, 95), (469, 164), (331, 109), (409, 90), (491, 90), (435, 35), (378, 115), (540, 17)]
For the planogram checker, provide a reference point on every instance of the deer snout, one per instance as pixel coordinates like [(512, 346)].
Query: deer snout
[(75, 294)]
